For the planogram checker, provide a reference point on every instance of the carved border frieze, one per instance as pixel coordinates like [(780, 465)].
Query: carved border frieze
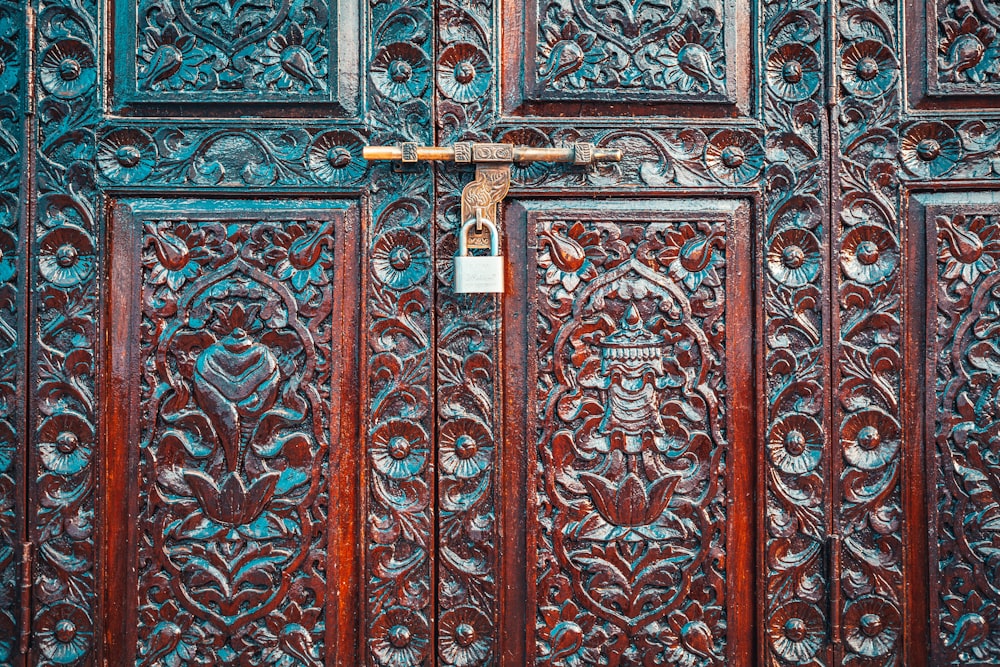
[(12, 320), (869, 576)]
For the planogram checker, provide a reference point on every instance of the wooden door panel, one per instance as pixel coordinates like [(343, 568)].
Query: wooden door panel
[(231, 480), (630, 351), (13, 322), (950, 437)]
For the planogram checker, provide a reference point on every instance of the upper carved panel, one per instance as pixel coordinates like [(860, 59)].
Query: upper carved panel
[(228, 50), (631, 49)]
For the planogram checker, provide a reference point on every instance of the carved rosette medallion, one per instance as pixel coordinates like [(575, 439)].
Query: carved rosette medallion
[(234, 440), (632, 447), (966, 449)]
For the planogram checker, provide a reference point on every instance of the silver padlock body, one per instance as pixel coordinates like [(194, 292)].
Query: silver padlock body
[(478, 275)]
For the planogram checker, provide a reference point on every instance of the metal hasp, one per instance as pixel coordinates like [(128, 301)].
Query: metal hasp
[(481, 196)]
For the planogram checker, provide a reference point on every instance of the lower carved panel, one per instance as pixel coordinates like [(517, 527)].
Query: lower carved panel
[(963, 439), (237, 431), (638, 349)]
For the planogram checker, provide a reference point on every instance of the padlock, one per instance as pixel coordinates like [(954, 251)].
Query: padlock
[(478, 274)]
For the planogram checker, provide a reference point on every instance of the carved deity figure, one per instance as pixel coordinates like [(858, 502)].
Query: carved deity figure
[(631, 375)]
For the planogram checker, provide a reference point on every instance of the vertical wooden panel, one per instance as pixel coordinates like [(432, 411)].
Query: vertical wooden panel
[(13, 205), (227, 456), (634, 348)]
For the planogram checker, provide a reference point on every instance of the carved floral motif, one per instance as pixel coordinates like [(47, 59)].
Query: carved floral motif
[(868, 350), (236, 387), (966, 58)]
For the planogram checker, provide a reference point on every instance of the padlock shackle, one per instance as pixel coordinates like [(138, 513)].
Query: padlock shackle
[(463, 234)]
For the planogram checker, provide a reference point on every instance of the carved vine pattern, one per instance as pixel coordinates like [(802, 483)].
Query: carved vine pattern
[(630, 417), (794, 327), (271, 48), (235, 393), (11, 317), (467, 374), (867, 354), (73, 156), (642, 47), (966, 472)]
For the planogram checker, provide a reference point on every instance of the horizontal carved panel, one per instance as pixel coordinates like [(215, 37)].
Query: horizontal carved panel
[(961, 389), (246, 52), (637, 52), (639, 49), (227, 326), (638, 351), (205, 155)]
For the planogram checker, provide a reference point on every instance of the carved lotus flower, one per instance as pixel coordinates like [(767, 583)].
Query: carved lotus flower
[(335, 157), (569, 255), (630, 502), (126, 155), (399, 637), (175, 639), (228, 501), (793, 72), (67, 69), (66, 256), (464, 637), (568, 57), (871, 439), (169, 60), (400, 72), (64, 633), (869, 254), (464, 72), (235, 379), (689, 638), (793, 257), (692, 59), (400, 259), (288, 635), (970, 621), (734, 157), (930, 149), (868, 68), (308, 255), (691, 258)]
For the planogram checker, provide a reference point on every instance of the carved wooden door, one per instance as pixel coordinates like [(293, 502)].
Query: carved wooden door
[(737, 405)]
